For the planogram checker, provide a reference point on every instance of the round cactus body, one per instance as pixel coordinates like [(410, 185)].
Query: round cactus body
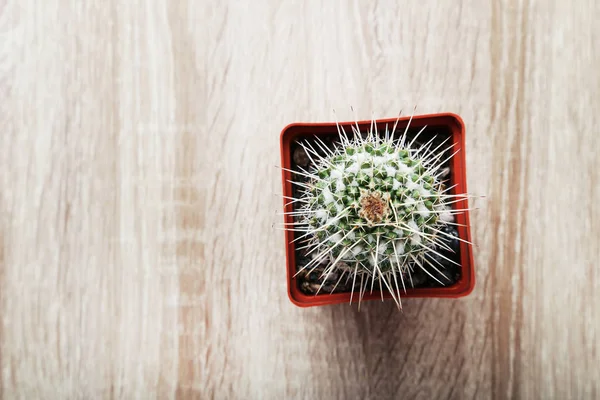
[(374, 208)]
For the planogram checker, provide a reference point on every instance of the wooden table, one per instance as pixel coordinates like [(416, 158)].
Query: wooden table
[(139, 144)]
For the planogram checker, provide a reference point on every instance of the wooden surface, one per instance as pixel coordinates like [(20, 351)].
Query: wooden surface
[(138, 191)]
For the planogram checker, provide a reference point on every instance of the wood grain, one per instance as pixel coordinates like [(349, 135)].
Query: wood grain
[(138, 190)]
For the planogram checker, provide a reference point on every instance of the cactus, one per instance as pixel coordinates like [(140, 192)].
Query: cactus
[(374, 209)]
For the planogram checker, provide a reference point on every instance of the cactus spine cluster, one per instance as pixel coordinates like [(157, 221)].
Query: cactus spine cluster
[(374, 207)]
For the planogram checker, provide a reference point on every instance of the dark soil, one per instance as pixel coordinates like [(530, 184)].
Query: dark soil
[(449, 274)]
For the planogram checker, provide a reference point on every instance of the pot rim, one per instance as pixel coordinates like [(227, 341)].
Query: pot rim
[(463, 287)]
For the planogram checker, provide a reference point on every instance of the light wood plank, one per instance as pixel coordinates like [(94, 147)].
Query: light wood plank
[(139, 189)]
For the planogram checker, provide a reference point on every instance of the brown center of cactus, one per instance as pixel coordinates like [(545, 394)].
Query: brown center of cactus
[(373, 206)]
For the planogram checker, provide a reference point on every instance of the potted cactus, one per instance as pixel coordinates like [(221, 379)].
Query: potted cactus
[(376, 209)]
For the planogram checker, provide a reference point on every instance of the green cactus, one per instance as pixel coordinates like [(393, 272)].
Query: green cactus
[(374, 208)]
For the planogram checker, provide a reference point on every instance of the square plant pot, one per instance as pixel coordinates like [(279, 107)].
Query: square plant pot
[(455, 270)]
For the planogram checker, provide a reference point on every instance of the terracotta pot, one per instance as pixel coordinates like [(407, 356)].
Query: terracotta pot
[(450, 123)]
